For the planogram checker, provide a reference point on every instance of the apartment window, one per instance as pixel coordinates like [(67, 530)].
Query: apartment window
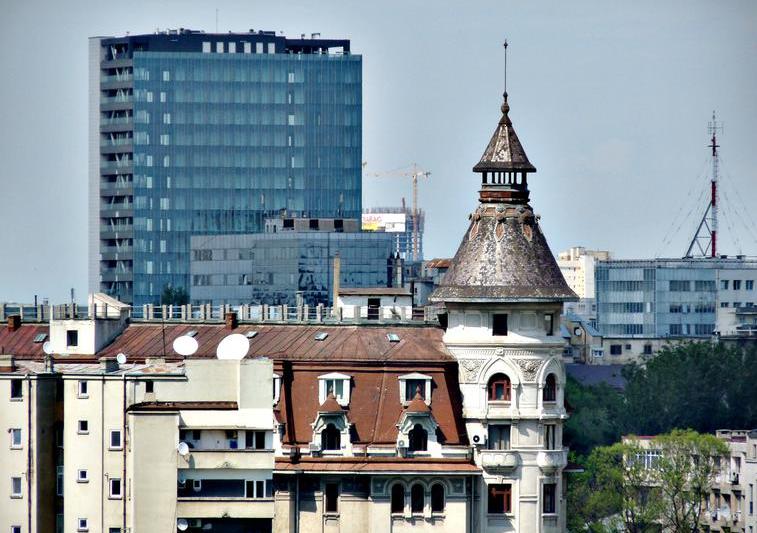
[(737, 284), (290, 77), (331, 438), (500, 499), (114, 488), (413, 387), (72, 337), (749, 284), (82, 476), (219, 48), (724, 284), (398, 498), (499, 388), (166, 118), (83, 427), (549, 500), (616, 349), (17, 389), (271, 48), (82, 524), (647, 349), (723, 305), (499, 325), (336, 384), (550, 431), (206, 47), (549, 324), (15, 487), (232, 48), (15, 437), (15, 529), (417, 497), (247, 48), (254, 440), (549, 394), (331, 494), (499, 437), (418, 439), (83, 391), (680, 285), (149, 387), (258, 48), (290, 119), (115, 439), (437, 498), (114, 530)]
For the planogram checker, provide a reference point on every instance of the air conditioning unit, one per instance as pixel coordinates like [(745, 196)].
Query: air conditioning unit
[(479, 439), (402, 444)]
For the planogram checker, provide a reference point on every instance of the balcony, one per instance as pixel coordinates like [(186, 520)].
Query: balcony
[(236, 459), (499, 460), (108, 125), (551, 460), (216, 507), (116, 167), (117, 188), (113, 253), (111, 275), (117, 232)]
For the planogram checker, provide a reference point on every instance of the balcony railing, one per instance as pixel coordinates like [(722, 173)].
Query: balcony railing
[(551, 460), (116, 121), (122, 99), (499, 460), (117, 78)]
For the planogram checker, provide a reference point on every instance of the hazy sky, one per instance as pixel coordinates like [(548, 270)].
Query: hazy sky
[(610, 99)]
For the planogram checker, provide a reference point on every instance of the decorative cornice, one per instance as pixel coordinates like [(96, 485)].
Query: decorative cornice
[(529, 368)]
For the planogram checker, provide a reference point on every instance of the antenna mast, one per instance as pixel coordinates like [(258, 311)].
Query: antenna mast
[(505, 45), (709, 222)]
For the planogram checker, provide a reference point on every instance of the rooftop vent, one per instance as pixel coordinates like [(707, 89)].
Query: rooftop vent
[(393, 337), (321, 336), (251, 334)]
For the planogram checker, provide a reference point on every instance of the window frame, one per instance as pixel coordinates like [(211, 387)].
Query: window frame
[(120, 444), (417, 498), (549, 392), (72, 338), (330, 439), (120, 494), (397, 507), (434, 500), (82, 524), (20, 492), (331, 498), (82, 389), (79, 429), (497, 325), (17, 395), (82, 475), (549, 501), (500, 489), (502, 379), (342, 399), (500, 429), (20, 433), (550, 436), (417, 439)]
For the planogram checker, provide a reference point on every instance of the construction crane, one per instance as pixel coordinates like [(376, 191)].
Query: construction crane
[(413, 172)]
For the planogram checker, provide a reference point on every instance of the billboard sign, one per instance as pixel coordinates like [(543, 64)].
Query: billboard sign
[(386, 222)]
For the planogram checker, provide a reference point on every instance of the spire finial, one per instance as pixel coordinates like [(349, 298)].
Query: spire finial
[(505, 95)]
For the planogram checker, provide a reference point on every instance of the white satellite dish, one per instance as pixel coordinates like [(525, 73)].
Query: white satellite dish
[(233, 347), (47, 348), (183, 449), (121, 358), (185, 345), (182, 524)]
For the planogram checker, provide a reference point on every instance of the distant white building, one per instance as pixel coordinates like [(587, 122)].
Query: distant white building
[(577, 266)]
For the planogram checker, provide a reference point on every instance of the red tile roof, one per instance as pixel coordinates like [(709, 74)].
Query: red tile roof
[(292, 342), (20, 343), (375, 405), (376, 464), (330, 405), (418, 404)]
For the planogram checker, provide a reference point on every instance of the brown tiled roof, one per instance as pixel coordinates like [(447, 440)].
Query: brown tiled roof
[(375, 405), (20, 343), (185, 406), (292, 342), (504, 151), (376, 464), (418, 405), (330, 405)]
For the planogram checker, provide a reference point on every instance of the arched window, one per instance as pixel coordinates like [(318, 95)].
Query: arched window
[(331, 438), (418, 439), (499, 388), (437, 498), (398, 498), (416, 498), (549, 394)]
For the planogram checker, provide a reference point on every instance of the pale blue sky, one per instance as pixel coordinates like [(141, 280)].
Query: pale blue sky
[(611, 101)]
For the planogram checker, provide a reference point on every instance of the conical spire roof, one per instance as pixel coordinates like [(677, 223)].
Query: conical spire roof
[(504, 151), (504, 255)]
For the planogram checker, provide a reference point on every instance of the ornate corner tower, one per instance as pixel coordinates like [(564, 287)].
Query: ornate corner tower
[(504, 294)]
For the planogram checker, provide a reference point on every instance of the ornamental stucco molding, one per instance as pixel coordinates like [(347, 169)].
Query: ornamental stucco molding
[(470, 369), (494, 351), (529, 368)]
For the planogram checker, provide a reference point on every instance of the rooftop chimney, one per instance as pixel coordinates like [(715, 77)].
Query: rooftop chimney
[(14, 322), (231, 320)]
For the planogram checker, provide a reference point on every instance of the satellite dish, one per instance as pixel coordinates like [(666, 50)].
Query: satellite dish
[(121, 358), (185, 345), (182, 524), (577, 332), (183, 449), (47, 348), (233, 347)]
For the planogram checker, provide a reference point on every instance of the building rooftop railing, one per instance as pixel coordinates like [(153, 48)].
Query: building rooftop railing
[(274, 314)]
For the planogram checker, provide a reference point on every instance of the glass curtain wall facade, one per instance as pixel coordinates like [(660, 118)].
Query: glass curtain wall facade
[(220, 133), (272, 268), (666, 297)]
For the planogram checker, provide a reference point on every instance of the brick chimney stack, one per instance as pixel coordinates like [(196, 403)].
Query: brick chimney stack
[(14, 322), (231, 320)]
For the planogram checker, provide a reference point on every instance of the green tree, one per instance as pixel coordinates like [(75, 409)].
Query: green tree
[(684, 473), (595, 418), (174, 296)]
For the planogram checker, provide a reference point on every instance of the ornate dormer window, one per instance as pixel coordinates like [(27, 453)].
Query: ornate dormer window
[(412, 383), (499, 388), (338, 384), (331, 429), (417, 427)]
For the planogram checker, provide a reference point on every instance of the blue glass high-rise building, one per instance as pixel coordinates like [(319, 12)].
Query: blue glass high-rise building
[(204, 134)]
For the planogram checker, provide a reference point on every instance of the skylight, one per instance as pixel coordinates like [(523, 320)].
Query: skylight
[(40, 337), (251, 334), (393, 337), (191, 333), (321, 336)]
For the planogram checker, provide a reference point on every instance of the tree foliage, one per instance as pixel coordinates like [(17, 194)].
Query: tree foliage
[(174, 296)]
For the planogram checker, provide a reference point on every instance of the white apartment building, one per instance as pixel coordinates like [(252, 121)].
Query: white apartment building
[(577, 266)]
